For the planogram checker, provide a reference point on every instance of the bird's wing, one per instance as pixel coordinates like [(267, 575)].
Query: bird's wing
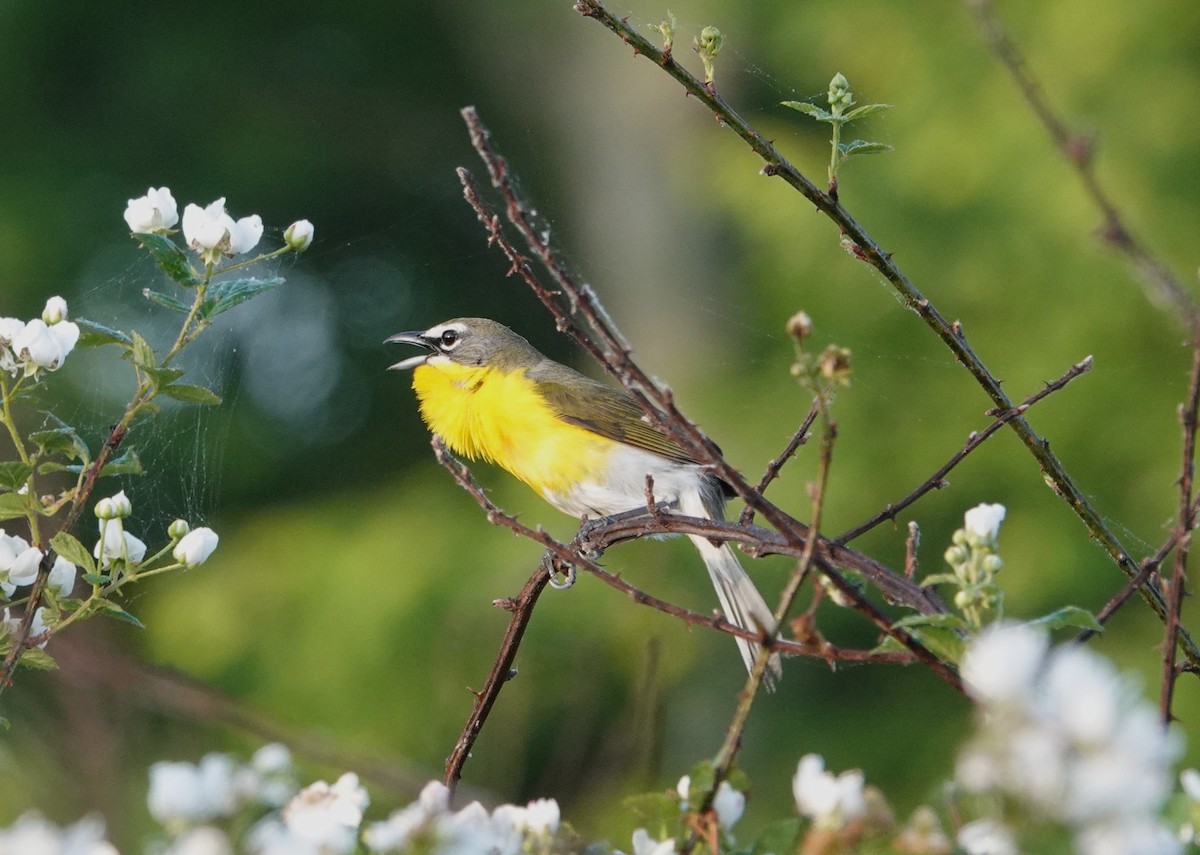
[(594, 406)]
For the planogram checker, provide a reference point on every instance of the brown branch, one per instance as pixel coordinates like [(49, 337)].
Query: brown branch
[(656, 402), (937, 480), (1183, 532), (951, 334), (773, 468), (727, 754), (22, 640), (1159, 283)]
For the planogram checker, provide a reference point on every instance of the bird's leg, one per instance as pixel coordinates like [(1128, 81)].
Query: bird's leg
[(588, 526)]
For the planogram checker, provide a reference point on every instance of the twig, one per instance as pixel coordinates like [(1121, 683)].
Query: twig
[(656, 402), (21, 637), (951, 334), (936, 480), (1183, 530), (1160, 284), (727, 754), (773, 468)]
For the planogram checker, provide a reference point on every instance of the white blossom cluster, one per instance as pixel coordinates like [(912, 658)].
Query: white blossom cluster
[(728, 804), (208, 230), (117, 544), (32, 834), (187, 799), (429, 826), (41, 344), (1068, 739)]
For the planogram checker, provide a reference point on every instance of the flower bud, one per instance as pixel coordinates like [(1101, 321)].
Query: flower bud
[(799, 326), (710, 41), (840, 97), (55, 311), (178, 529), (195, 547), (299, 235), (114, 508), (956, 556), (992, 563)]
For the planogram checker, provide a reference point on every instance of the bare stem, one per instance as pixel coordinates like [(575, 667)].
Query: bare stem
[(951, 334)]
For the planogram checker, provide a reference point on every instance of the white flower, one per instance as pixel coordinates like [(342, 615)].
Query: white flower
[(156, 211), (1189, 780), (832, 802), (204, 840), (986, 837), (40, 346), (183, 794), (11, 546), (118, 544), (62, 576), (1143, 836), (542, 816), (211, 229), (729, 805), (24, 568), (328, 816), (299, 235), (982, 522), (33, 835), (1065, 736), (114, 507), (55, 311), (644, 844), (195, 547), (1001, 665)]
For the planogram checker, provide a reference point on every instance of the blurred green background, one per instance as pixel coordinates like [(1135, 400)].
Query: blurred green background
[(349, 605)]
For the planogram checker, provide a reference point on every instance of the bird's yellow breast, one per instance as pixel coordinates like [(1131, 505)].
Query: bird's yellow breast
[(482, 412)]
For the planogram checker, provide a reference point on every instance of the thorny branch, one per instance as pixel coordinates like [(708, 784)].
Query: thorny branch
[(1161, 285), (937, 480), (1183, 531), (592, 540), (951, 334)]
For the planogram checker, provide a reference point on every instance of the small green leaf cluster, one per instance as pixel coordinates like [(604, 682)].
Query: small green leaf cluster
[(842, 112)]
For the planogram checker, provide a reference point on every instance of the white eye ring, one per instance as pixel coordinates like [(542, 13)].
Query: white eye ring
[(448, 340)]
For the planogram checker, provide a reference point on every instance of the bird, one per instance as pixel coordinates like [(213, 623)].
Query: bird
[(584, 446)]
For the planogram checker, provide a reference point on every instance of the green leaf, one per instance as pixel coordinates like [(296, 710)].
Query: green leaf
[(941, 620), (810, 110), (942, 634), (127, 464), (92, 334), (857, 147), (1068, 617), (191, 394), (39, 659), (61, 440), (171, 258), (223, 296), (12, 506), (780, 837), (14, 474), (142, 353), (653, 810), (95, 578), (166, 301), (162, 377), (866, 110), (108, 607), (72, 550)]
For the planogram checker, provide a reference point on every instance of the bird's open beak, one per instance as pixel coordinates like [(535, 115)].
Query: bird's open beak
[(417, 338)]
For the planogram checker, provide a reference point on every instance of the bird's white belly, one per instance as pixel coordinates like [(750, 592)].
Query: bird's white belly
[(622, 486)]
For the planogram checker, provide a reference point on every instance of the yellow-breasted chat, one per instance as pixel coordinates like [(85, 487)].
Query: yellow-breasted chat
[(586, 447)]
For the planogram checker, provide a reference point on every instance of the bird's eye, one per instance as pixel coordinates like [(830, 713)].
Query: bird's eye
[(449, 338)]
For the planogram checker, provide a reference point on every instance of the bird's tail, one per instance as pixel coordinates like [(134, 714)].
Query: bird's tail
[(741, 602)]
